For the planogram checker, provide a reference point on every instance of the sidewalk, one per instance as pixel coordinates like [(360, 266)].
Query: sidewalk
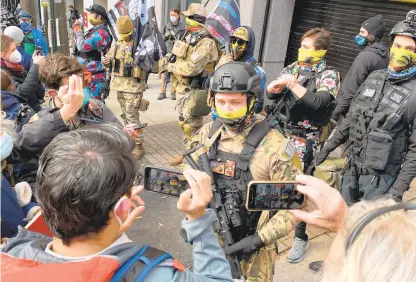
[(163, 140)]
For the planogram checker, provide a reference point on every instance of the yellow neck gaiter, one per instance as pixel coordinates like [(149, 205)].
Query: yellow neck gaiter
[(192, 25), (310, 57), (126, 36), (93, 20), (238, 50), (401, 59), (236, 114)]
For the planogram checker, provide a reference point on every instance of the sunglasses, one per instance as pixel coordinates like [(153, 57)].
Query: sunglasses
[(239, 41)]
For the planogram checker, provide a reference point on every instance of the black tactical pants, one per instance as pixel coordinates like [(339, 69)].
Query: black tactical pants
[(370, 186)]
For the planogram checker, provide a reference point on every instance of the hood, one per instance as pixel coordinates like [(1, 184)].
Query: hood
[(25, 256), (9, 99), (250, 45), (378, 48)]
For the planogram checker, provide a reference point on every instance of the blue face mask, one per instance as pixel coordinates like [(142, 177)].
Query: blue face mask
[(360, 40), (6, 143), (26, 27)]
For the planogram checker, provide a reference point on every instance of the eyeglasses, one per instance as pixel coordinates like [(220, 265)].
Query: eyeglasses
[(239, 41)]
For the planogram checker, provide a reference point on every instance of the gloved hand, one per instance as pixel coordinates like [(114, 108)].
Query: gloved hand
[(245, 246), (320, 157)]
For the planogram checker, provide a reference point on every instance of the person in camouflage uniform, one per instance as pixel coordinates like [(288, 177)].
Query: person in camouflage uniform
[(236, 159), (191, 70), (128, 80)]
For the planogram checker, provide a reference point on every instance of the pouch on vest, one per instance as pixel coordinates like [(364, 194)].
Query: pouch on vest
[(379, 145), (180, 48), (330, 172), (144, 105), (197, 105)]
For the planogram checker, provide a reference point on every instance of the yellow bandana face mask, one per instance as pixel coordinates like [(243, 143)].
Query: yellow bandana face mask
[(234, 115), (192, 25), (126, 36), (93, 20), (310, 57), (401, 59)]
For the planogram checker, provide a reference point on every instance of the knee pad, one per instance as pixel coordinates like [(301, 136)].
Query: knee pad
[(181, 123)]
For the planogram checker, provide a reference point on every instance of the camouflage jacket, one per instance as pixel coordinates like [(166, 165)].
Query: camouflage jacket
[(270, 161), (200, 57)]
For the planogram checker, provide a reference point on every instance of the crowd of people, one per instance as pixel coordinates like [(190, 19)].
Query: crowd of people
[(67, 157)]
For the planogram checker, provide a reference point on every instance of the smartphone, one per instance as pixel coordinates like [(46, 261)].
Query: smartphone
[(38, 51), (274, 195), (164, 181), (140, 126)]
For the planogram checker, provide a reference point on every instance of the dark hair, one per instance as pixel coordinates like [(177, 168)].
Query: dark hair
[(57, 66), (321, 38), (6, 41), (175, 10), (71, 6), (6, 81), (81, 176)]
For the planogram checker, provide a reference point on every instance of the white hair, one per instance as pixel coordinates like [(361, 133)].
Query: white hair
[(385, 250), (14, 33)]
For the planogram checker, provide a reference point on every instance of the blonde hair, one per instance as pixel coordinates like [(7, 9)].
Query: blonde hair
[(384, 251)]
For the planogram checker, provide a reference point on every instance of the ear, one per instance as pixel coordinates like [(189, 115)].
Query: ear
[(52, 93)]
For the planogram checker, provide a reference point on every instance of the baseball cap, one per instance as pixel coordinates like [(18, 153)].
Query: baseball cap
[(195, 9), (98, 9)]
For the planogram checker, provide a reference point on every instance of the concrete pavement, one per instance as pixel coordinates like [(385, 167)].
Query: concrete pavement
[(160, 223)]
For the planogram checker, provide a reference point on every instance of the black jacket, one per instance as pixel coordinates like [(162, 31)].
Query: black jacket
[(372, 58), (35, 136), (28, 85)]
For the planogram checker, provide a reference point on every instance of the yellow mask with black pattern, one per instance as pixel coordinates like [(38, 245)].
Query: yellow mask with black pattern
[(310, 57), (192, 25), (126, 36), (401, 59)]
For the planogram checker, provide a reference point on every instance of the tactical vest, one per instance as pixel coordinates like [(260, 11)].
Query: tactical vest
[(293, 110), (122, 62), (380, 123), (232, 175)]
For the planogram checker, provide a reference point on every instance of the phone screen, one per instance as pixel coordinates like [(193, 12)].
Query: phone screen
[(165, 181), (274, 196)]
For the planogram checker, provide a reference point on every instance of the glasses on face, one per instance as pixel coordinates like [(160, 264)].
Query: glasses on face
[(239, 41)]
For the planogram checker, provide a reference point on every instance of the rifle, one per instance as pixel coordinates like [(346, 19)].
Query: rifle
[(222, 223), (107, 80)]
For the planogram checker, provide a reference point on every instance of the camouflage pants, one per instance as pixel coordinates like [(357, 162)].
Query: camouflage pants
[(260, 266), (191, 124), (130, 104), (173, 80)]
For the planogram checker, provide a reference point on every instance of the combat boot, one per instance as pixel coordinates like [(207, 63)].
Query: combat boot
[(138, 151), (161, 96), (176, 161), (173, 96)]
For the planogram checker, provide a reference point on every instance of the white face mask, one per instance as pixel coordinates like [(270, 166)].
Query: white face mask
[(173, 19), (15, 57)]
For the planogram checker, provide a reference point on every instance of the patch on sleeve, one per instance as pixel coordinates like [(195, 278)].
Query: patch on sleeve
[(290, 149)]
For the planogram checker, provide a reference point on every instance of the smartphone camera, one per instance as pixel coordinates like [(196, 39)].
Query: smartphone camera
[(274, 196)]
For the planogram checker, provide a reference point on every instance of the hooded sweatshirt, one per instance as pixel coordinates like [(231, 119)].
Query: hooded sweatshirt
[(372, 58), (28, 257)]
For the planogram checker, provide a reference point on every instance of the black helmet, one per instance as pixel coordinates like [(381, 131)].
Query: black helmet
[(236, 77), (406, 27)]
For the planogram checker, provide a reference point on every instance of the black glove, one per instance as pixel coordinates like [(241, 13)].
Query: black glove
[(320, 157), (246, 246)]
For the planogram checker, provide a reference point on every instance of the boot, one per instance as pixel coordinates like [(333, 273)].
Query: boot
[(176, 161), (173, 96), (138, 151), (161, 96)]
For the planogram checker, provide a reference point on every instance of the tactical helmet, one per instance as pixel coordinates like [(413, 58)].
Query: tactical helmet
[(174, 177), (406, 27), (124, 25), (235, 77)]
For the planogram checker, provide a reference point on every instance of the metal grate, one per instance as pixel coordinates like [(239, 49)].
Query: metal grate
[(343, 18)]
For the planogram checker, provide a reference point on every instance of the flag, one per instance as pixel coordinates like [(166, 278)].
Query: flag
[(223, 20), (148, 43), (113, 14)]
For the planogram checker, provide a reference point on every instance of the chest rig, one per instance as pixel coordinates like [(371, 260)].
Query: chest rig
[(380, 125), (232, 175)]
